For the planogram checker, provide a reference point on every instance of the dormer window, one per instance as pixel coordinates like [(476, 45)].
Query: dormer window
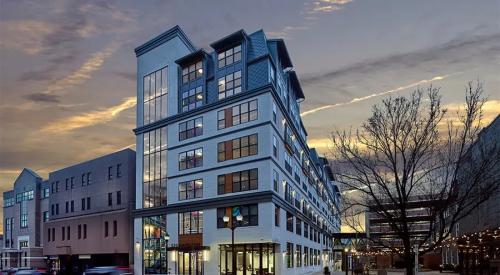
[(192, 72), (229, 56)]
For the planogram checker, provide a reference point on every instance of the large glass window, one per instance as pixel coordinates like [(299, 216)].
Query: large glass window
[(191, 128), (191, 189), (192, 99), (191, 159), (229, 56), (289, 221), (155, 96), (289, 255), (155, 168), (237, 114), (298, 255), (9, 224), (191, 223), (154, 244), (190, 263), (230, 84), (192, 72), (237, 148), (250, 259), (238, 181), (250, 213)]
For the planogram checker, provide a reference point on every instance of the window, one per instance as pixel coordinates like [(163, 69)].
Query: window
[(275, 147), (79, 231), (289, 222), (23, 244), (275, 180), (191, 128), (155, 168), (45, 216), (249, 212), (237, 181), (106, 229), (192, 72), (9, 202), (155, 95), (72, 182), (72, 206), (119, 170), (154, 244), (67, 207), (115, 228), (83, 179), (277, 216), (45, 192), (237, 148), (9, 226), (68, 232), (192, 99), (191, 223), (237, 114), (110, 199), (289, 255), (118, 197), (306, 256), (298, 226), (67, 184), (191, 159), (85, 231), (288, 193), (48, 235), (298, 253), (230, 85), (53, 234), (230, 56), (63, 233), (110, 172), (191, 189), (89, 178), (275, 116), (57, 209), (88, 203), (288, 163), (306, 230)]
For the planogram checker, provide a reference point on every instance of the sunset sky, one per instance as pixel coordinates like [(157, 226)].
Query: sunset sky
[(67, 68)]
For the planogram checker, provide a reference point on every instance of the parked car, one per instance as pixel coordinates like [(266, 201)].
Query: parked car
[(108, 270), (31, 272)]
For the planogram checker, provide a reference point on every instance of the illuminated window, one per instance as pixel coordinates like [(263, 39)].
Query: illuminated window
[(230, 85), (155, 168), (192, 99), (229, 56), (155, 96), (192, 72)]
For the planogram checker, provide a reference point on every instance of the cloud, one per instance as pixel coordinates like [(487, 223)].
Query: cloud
[(324, 6), (359, 99), (77, 77), (43, 97), (89, 119), (25, 35)]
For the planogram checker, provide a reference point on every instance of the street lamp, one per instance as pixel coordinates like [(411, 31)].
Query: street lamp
[(233, 226)]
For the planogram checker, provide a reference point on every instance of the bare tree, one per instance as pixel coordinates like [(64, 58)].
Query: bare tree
[(410, 151)]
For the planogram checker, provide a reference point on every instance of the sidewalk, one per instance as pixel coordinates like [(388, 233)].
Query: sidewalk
[(436, 272)]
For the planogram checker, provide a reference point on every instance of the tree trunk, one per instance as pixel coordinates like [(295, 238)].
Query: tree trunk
[(409, 260)]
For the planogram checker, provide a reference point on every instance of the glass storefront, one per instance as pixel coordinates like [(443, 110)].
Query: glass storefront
[(190, 263), (251, 259), (154, 244)]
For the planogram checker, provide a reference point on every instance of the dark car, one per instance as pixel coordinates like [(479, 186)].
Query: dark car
[(447, 267), (108, 270)]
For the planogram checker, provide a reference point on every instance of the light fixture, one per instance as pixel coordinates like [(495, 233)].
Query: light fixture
[(239, 218), (225, 219), (167, 237)]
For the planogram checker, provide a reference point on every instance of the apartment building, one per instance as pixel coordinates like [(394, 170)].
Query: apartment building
[(221, 145), (23, 210), (88, 220)]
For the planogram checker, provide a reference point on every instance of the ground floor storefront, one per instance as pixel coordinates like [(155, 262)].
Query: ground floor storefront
[(22, 258), (77, 264)]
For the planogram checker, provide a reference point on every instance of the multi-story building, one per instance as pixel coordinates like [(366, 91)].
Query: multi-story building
[(219, 139), (23, 208), (88, 220)]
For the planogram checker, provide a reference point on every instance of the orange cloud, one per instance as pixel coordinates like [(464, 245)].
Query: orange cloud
[(89, 119), (25, 35)]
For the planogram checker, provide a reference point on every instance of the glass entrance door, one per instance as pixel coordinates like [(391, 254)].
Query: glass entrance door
[(190, 263), (251, 259)]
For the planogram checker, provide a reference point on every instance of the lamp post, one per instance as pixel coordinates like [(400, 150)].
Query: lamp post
[(233, 226)]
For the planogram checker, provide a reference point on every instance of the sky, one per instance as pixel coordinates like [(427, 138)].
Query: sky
[(67, 68)]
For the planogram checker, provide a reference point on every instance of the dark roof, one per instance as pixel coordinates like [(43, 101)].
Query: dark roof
[(164, 37), (283, 55), (233, 38), (299, 94), (192, 57)]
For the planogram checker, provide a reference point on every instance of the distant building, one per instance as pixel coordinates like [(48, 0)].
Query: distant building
[(228, 124), (379, 229), (485, 217), (89, 212), (79, 217), (22, 210)]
